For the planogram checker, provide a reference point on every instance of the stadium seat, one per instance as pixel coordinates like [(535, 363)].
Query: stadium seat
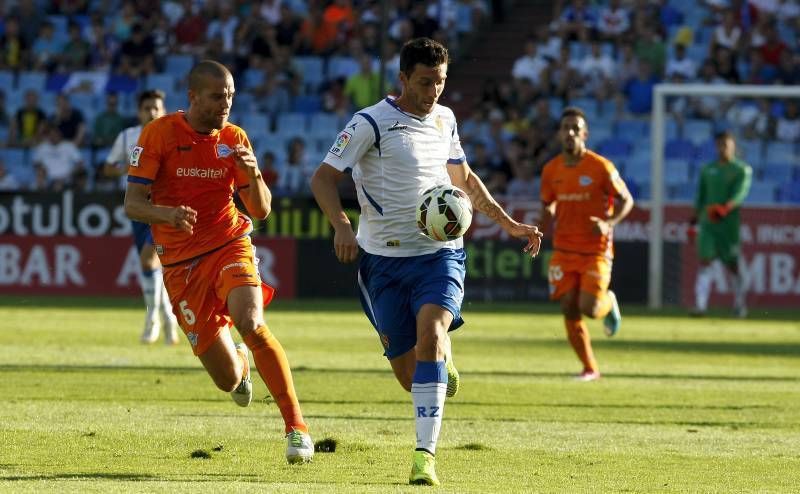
[(341, 67), (308, 104), (6, 81), (177, 100), (697, 130), (14, 157), (615, 147), (121, 84), (676, 171), (291, 124), (312, 69), (31, 80), (178, 64), (243, 102), (679, 149), (780, 172), (683, 192), (162, 81), (761, 192), (253, 78), (781, 151), (324, 126), (790, 192), (255, 123), (632, 129), (705, 152), (464, 17)]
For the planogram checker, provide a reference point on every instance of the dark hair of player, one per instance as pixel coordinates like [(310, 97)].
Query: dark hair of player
[(422, 50)]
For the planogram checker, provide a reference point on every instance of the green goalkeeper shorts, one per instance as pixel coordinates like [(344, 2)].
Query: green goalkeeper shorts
[(718, 242)]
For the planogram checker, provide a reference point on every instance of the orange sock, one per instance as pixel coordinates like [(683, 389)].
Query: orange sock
[(578, 335), (274, 369)]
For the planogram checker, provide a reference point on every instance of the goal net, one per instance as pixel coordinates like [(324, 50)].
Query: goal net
[(766, 123)]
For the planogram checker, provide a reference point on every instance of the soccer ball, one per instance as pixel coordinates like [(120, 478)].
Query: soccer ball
[(444, 213)]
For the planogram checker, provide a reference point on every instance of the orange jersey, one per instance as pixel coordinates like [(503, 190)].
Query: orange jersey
[(185, 168), (581, 191)]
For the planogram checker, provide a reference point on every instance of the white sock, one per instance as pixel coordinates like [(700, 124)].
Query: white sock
[(165, 305), (739, 292), (147, 280), (702, 288), (428, 391)]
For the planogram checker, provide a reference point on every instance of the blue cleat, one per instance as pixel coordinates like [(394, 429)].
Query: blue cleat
[(613, 319)]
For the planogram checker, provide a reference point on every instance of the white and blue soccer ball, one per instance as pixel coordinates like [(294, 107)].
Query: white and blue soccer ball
[(444, 212)]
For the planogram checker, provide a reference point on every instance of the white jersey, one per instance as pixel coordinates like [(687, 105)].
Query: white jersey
[(395, 157), (121, 149)]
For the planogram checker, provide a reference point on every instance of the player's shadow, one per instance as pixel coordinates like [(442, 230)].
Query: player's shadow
[(777, 349)]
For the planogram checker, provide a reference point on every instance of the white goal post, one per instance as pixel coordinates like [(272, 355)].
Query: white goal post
[(657, 131)]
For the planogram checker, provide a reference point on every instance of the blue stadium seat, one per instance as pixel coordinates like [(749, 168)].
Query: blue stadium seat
[(637, 165), (179, 64), (751, 151), (697, 130), (615, 148), (253, 78), (679, 149), (705, 152), (31, 80), (291, 124), (761, 192), (681, 192), (324, 126), (162, 81), (313, 71), (632, 129), (254, 123), (790, 192), (781, 151), (342, 67), (6, 81), (780, 172), (121, 84), (676, 171), (14, 157), (243, 102), (463, 17), (176, 100), (308, 104)]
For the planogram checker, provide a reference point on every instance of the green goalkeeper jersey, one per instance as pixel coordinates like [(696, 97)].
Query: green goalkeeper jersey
[(720, 183)]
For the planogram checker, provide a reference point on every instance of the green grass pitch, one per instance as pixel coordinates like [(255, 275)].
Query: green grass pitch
[(685, 405)]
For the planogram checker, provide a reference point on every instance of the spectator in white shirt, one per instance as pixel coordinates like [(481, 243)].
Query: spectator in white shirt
[(530, 65), (8, 182), (787, 127), (597, 69), (728, 34), (613, 21), (60, 158), (680, 65)]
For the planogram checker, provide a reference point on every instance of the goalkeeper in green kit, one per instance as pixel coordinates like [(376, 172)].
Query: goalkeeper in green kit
[(723, 186)]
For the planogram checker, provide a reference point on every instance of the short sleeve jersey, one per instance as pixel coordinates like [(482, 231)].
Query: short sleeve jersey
[(581, 191), (395, 157), (121, 149), (197, 170)]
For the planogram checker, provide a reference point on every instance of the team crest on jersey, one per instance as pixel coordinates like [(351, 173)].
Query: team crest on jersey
[(342, 140), (136, 153), (223, 151), (584, 180), (439, 124), (192, 338)]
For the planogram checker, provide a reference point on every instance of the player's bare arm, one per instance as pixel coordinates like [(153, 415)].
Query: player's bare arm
[(257, 197), (324, 186), (548, 213), (138, 207), (621, 210), (464, 178)]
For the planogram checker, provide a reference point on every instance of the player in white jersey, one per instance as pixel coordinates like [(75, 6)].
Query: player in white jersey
[(411, 286), (151, 107)]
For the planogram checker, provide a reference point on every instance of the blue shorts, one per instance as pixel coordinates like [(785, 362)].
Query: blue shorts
[(141, 235), (393, 289)]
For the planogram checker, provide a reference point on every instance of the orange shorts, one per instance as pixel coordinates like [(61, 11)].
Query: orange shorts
[(198, 290), (568, 271)]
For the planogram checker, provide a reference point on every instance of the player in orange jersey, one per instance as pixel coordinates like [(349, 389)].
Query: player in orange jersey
[(181, 179), (579, 190)]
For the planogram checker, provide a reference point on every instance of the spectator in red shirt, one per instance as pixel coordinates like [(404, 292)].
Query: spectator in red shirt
[(774, 46)]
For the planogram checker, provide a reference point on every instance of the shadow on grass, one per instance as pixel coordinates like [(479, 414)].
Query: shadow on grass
[(350, 304), (136, 477), (328, 370)]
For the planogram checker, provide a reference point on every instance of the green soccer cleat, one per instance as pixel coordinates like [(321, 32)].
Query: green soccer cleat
[(452, 377), (613, 319), (243, 394), (423, 470)]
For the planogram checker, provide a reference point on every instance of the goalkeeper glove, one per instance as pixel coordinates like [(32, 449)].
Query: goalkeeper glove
[(691, 232), (718, 211)]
